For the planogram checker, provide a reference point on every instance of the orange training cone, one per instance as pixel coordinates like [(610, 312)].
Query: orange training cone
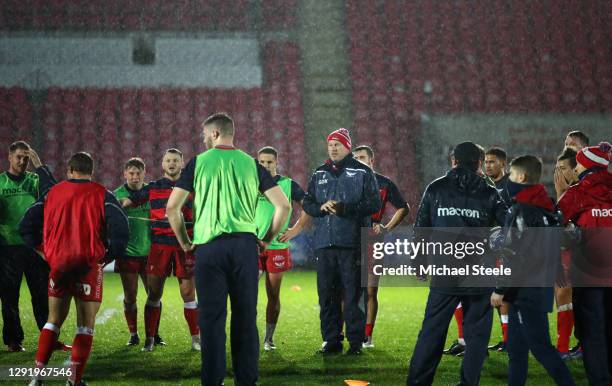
[(355, 382)]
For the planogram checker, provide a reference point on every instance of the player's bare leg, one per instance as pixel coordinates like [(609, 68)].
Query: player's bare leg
[(129, 282), (155, 290), (273, 286), (372, 311), (190, 310)]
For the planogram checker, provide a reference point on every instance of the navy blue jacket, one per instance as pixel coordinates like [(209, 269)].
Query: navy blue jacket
[(354, 186), (534, 210), (459, 199)]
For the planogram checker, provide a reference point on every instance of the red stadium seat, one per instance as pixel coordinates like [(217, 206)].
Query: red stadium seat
[(120, 123)]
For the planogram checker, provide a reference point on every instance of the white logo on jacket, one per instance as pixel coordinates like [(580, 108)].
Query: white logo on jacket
[(595, 212), (471, 213), (321, 182)]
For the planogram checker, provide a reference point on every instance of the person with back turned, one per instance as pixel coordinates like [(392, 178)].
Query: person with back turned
[(226, 182), (461, 198)]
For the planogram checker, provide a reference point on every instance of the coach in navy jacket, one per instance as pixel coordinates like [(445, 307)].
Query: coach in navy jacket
[(342, 196), (459, 199)]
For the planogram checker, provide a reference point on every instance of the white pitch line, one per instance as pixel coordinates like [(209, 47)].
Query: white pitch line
[(106, 315)]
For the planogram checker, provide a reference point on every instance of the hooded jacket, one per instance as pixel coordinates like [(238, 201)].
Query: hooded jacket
[(459, 199), (351, 183), (532, 208)]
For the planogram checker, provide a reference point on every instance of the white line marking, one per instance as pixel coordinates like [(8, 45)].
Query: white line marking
[(106, 315)]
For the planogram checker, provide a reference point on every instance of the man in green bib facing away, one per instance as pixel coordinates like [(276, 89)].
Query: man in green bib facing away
[(276, 259), (226, 183)]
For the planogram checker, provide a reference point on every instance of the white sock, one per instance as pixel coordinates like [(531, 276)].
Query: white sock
[(52, 327), (82, 330), (461, 341), (191, 305)]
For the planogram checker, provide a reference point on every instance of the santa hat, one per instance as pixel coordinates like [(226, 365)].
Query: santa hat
[(595, 156), (341, 135)]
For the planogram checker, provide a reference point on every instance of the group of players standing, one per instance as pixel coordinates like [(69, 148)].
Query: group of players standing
[(519, 202), (343, 196)]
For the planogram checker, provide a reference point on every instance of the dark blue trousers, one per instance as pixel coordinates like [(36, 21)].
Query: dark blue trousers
[(477, 322), (338, 275), (15, 263), (593, 320), (228, 266), (528, 331)]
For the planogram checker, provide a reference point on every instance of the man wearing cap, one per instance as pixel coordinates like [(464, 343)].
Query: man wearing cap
[(588, 205), (342, 196), (474, 204)]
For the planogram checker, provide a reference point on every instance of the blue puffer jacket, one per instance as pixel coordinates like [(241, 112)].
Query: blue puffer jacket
[(354, 186)]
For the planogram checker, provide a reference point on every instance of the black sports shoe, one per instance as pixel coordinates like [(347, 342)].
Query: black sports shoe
[(159, 341), (15, 347), (500, 347), (134, 340), (330, 348), (354, 350), (455, 349)]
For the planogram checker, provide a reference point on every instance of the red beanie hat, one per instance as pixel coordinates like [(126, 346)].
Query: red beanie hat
[(593, 156), (341, 135)]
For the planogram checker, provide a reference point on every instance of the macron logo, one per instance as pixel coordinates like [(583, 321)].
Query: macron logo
[(445, 212), (601, 212)]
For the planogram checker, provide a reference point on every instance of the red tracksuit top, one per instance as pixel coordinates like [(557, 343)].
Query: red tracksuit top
[(594, 191)]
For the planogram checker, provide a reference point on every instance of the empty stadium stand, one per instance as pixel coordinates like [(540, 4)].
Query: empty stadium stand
[(117, 123), (455, 57), (123, 15), (481, 56), (137, 15)]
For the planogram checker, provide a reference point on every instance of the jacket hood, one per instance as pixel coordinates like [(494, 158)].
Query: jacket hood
[(598, 185), (466, 180), (535, 195)]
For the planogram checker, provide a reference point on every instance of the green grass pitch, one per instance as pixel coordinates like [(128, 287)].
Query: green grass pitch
[(297, 338)]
